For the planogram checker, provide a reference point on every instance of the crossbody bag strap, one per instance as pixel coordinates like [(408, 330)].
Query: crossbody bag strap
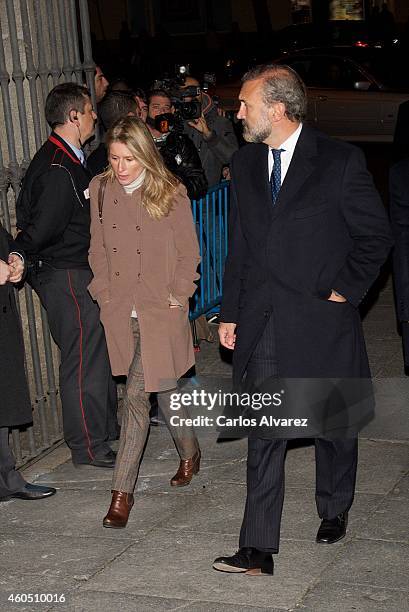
[(101, 193)]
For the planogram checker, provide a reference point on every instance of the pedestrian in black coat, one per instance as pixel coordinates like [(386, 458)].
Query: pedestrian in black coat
[(401, 134), (15, 405), (308, 234), (399, 210)]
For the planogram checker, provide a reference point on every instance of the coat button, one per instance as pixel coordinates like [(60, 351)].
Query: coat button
[(138, 251), (114, 249), (139, 275), (114, 226), (115, 201), (138, 228), (116, 273), (267, 313)]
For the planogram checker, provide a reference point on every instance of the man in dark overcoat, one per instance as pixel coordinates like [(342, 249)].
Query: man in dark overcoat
[(15, 406), (401, 134), (399, 210), (308, 234)]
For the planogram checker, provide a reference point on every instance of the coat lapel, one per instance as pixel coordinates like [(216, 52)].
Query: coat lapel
[(301, 167), (261, 190)]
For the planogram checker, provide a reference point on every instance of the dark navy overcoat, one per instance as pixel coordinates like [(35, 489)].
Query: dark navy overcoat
[(328, 230)]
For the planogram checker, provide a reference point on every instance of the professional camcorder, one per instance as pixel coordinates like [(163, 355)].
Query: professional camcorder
[(186, 111)]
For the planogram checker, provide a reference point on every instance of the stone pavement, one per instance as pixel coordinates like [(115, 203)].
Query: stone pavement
[(162, 560)]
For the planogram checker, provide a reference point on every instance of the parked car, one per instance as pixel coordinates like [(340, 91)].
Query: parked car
[(353, 93), (335, 32)]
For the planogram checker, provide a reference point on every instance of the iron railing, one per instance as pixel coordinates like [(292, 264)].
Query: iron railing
[(41, 44), (210, 215)]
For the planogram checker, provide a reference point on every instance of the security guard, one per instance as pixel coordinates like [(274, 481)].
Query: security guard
[(54, 221)]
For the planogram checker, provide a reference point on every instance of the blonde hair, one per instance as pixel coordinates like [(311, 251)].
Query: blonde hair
[(159, 185)]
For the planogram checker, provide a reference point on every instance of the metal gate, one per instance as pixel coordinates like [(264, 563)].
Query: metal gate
[(42, 43)]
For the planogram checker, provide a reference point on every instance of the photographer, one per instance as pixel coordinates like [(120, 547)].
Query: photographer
[(177, 149), (212, 134)]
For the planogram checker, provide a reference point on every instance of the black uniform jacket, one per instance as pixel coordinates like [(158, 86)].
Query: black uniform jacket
[(327, 230), (53, 207), (15, 407)]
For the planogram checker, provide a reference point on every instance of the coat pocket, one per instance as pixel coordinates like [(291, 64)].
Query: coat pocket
[(310, 211)]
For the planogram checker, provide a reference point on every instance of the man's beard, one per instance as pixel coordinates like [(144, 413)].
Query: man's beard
[(258, 133)]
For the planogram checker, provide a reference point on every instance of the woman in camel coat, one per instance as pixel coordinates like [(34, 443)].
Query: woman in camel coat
[(144, 255)]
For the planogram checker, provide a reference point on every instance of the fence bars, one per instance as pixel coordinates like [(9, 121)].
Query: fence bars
[(210, 215), (40, 47)]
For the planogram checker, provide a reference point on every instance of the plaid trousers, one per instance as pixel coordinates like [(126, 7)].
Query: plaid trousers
[(135, 424)]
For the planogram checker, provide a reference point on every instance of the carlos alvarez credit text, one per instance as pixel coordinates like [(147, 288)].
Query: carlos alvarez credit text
[(255, 401)]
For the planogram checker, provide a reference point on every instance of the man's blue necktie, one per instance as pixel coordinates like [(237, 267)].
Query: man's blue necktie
[(275, 179)]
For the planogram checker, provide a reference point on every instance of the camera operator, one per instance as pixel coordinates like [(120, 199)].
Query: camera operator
[(212, 134), (178, 151)]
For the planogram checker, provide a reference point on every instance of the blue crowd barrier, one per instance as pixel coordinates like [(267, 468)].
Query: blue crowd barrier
[(210, 215)]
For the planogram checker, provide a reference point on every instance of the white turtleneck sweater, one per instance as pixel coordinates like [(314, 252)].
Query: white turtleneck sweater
[(136, 183)]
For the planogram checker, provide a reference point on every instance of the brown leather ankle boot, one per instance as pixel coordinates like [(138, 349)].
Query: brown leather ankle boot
[(119, 510), (187, 467)]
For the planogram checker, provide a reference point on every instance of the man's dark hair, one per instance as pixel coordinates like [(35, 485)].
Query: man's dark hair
[(120, 84), (158, 92), (141, 93), (62, 99), (281, 84), (116, 105)]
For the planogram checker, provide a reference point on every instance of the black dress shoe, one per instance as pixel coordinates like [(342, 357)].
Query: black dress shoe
[(105, 461), (31, 491), (333, 530), (250, 561)]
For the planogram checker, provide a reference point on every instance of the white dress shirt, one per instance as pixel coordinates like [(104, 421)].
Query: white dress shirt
[(287, 155), (78, 152)]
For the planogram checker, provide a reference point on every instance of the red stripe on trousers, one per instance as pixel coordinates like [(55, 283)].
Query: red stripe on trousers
[(80, 368)]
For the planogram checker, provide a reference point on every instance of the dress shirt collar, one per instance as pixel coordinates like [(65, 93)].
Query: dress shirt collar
[(288, 147), (289, 144), (78, 152)]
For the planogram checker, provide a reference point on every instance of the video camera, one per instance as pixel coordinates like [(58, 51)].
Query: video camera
[(184, 111)]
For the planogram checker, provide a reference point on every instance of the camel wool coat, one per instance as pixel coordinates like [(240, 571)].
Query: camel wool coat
[(139, 262)]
